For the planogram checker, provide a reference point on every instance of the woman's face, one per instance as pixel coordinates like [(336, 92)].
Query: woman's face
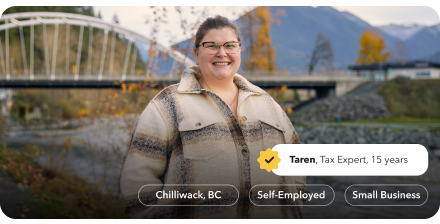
[(214, 65)]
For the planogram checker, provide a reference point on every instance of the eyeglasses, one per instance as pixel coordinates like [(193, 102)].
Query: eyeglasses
[(214, 48)]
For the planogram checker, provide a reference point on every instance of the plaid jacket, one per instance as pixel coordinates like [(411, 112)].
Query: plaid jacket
[(188, 135)]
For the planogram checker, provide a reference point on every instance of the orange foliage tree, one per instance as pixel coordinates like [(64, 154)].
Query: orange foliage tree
[(261, 51), (372, 47)]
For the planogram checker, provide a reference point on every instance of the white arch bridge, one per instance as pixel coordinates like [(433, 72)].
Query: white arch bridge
[(82, 75)]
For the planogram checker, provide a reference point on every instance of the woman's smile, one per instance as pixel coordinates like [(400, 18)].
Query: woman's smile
[(221, 64)]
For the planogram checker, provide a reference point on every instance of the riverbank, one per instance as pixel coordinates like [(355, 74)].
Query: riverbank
[(52, 193), (13, 198), (97, 152)]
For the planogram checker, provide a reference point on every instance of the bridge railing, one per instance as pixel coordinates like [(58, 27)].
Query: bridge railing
[(61, 74), (84, 74), (291, 72)]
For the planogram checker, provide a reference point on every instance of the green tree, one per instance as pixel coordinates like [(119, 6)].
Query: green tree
[(84, 10)]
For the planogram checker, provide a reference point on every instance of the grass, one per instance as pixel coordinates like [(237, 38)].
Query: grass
[(412, 98), (60, 194)]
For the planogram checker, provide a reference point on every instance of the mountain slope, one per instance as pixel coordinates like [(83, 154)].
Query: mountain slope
[(425, 42), (294, 38), (402, 32)]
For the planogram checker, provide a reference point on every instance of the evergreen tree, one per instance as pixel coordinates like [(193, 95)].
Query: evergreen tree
[(115, 18), (84, 10)]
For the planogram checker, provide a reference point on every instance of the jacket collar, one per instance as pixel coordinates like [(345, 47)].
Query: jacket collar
[(190, 84)]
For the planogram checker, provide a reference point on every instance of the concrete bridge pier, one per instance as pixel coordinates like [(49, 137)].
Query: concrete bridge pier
[(348, 84)]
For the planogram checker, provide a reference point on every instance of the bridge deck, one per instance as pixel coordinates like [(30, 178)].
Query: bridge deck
[(91, 81)]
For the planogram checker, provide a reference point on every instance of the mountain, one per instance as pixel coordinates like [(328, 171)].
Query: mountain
[(402, 32), (294, 38), (434, 57), (424, 43)]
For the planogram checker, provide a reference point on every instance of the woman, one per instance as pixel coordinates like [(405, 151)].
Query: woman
[(208, 129)]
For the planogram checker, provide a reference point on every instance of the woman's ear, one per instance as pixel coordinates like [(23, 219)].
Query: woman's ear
[(196, 54)]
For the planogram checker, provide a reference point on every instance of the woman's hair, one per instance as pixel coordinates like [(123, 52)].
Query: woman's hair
[(210, 23)]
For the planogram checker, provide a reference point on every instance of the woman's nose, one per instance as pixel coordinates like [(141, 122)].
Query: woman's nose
[(222, 52)]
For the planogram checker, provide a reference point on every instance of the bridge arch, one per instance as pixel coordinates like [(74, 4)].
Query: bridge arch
[(19, 20)]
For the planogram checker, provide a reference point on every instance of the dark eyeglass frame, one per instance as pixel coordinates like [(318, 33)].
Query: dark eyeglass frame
[(203, 44)]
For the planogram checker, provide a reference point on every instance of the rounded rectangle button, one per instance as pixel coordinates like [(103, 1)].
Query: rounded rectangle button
[(188, 195), (386, 195), (291, 195)]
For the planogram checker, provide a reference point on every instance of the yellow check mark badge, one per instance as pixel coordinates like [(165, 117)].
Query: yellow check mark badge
[(269, 160)]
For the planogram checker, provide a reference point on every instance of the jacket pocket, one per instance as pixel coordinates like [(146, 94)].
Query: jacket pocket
[(201, 137), (273, 133)]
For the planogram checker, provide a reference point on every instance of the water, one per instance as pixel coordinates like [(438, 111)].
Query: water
[(96, 151)]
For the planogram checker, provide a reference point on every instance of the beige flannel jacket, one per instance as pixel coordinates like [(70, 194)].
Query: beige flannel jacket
[(189, 135)]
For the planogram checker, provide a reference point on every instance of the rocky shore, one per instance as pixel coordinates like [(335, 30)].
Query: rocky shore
[(360, 135), (362, 103)]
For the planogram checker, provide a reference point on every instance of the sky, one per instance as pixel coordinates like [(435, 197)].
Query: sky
[(384, 15), (135, 18)]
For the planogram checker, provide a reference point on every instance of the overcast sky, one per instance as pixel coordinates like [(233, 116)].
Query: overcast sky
[(384, 15), (134, 18)]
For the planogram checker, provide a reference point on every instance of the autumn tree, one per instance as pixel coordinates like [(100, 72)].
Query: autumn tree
[(322, 53), (261, 52), (372, 47)]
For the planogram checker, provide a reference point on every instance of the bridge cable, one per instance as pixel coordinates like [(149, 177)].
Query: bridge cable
[(104, 47), (133, 59), (78, 54), (67, 48), (23, 49), (173, 66), (1, 58), (31, 76), (110, 67), (46, 49), (127, 55), (54, 53), (89, 65), (8, 75)]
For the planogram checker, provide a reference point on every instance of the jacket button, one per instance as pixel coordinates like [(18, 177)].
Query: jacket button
[(277, 125), (198, 124), (244, 118), (244, 152)]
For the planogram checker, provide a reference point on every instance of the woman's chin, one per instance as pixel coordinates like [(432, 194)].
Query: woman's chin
[(223, 75)]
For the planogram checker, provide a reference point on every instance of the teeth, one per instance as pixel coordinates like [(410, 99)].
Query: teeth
[(221, 63)]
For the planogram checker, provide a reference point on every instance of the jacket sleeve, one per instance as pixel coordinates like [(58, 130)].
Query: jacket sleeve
[(145, 163), (292, 138)]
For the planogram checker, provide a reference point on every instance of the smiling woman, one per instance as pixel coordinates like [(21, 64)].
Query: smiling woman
[(208, 130)]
